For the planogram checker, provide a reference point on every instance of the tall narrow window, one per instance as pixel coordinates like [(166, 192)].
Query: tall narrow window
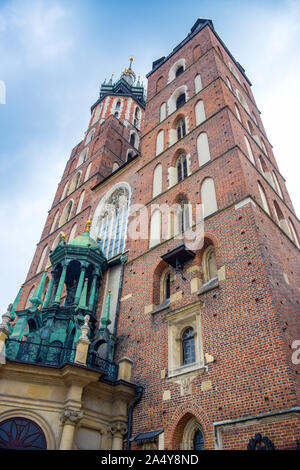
[(111, 223), (229, 83), (79, 207), (137, 118), (198, 83), (182, 170), (183, 217), (90, 136), (157, 180), (188, 346), (250, 127), (132, 140), (179, 71), (200, 112), (234, 72), (75, 182), (294, 233), (212, 264), (208, 197), (249, 150), (237, 112), (281, 220), (64, 191), (42, 259), (66, 213), (155, 228), (83, 157), (181, 129), (203, 149), (263, 198), (165, 286), (88, 171), (162, 112), (278, 188), (159, 142), (242, 100), (54, 222), (263, 146), (180, 100)]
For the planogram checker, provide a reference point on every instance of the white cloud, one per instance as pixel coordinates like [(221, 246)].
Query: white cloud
[(39, 28), (270, 53)]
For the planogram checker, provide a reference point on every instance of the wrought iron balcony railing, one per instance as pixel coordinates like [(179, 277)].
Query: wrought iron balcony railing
[(56, 356)]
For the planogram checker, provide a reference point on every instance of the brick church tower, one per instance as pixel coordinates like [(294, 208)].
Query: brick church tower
[(196, 344)]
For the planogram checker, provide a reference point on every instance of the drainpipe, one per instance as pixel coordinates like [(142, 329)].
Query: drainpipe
[(130, 412)]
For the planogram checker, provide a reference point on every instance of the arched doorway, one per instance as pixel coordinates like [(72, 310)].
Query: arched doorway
[(188, 434), (21, 434)]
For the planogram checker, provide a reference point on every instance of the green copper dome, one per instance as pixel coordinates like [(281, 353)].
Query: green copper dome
[(84, 240)]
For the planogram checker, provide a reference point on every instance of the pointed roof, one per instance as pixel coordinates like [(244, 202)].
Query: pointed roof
[(124, 86)]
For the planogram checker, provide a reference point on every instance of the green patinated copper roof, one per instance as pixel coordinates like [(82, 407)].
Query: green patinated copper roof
[(84, 240)]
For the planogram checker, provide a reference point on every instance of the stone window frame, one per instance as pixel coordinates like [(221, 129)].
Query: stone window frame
[(205, 264), (192, 426), (172, 72), (162, 286), (178, 321)]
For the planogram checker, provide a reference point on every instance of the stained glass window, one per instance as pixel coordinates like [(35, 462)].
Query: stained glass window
[(113, 223)]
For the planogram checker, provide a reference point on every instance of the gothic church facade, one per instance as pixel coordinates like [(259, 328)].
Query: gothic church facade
[(117, 341)]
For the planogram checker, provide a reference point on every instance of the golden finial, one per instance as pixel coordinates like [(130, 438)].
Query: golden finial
[(63, 235), (86, 279), (99, 239), (109, 291), (88, 225)]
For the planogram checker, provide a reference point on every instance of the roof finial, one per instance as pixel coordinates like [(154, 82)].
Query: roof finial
[(88, 226), (111, 79), (131, 60)]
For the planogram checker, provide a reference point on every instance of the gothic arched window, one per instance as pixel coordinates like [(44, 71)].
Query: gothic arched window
[(165, 288), (112, 222), (180, 100), (136, 121), (182, 171), (21, 434), (179, 71), (181, 129), (183, 216), (209, 264), (188, 346)]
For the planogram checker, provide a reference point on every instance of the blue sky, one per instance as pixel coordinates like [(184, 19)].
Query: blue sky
[(55, 53)]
